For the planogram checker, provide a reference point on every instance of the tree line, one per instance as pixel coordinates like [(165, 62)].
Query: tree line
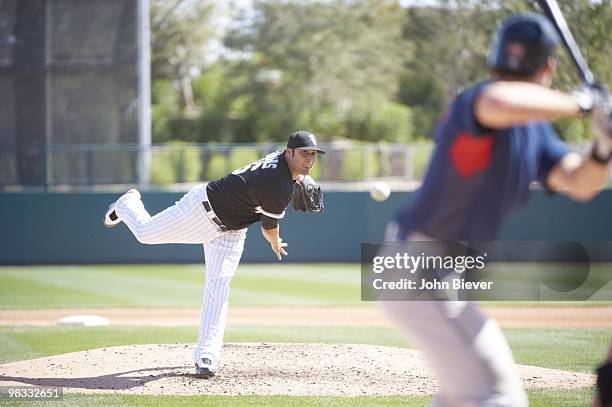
[(368, 70)]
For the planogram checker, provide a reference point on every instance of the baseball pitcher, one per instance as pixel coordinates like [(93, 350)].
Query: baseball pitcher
[(217, 215)]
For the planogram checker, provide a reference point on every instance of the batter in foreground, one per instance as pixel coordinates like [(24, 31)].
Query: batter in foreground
[(492, 143)]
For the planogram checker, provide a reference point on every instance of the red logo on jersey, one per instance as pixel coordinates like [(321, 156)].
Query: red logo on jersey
[(470, 154)]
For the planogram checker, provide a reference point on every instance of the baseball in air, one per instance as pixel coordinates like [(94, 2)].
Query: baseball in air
[(380, 191)]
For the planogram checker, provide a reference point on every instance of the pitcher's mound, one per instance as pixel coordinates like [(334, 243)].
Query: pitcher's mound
[(253, 369)]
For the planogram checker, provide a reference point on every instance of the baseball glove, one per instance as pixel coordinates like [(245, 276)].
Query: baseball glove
[(307, 196)]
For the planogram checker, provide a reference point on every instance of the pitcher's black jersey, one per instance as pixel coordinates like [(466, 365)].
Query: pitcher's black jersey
[(259, 191)]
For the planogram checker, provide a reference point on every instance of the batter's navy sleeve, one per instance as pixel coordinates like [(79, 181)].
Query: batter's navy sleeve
[(551, 152), (464, 113)]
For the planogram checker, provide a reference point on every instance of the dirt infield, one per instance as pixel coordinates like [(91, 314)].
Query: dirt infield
[(253, 369), (507, 317)]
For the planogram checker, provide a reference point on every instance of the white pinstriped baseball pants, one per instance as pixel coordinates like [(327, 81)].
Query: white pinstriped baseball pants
[(187, 222)]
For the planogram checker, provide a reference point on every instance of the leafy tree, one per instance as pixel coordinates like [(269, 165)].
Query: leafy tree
[(180, 31), (363, 69), (450, 44), (312, 62), (451, 41)]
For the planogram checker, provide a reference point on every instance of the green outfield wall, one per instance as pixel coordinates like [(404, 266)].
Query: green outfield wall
[(66, 228)]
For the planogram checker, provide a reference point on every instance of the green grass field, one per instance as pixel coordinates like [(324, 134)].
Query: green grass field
[(540, 398), (254, 285), (175, 286), (182, 286)]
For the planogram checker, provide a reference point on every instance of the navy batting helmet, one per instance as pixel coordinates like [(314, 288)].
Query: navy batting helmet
[(522, 44)]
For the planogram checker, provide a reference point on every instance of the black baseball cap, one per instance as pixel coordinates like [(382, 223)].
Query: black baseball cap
[(522, 44), (303, 140)]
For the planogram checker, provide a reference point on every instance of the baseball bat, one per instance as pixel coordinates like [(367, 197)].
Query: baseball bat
[(554, 14)]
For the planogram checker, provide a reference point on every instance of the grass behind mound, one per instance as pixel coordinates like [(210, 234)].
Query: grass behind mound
[(180, 285), (175, 285)]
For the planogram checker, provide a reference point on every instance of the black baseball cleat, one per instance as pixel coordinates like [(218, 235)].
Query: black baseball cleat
[(204, 368), (110, 217)]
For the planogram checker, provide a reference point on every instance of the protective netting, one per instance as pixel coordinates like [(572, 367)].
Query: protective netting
[(68, 75)]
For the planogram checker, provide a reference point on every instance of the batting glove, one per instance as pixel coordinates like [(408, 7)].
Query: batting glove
[(589, 96)]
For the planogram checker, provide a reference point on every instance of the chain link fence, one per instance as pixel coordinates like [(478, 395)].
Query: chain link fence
[(95, 165)]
